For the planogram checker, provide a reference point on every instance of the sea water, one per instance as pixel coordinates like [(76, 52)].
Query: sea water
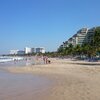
[(15, 61), (9, 59)]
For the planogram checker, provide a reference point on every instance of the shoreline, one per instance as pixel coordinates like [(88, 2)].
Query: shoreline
[(72, 80)]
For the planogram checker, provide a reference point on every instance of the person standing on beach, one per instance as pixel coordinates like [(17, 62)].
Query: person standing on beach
[(46, 59)]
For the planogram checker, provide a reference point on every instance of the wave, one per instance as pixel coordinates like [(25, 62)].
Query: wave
[(9, 59)]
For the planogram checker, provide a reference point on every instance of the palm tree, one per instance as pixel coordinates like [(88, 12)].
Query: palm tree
[(77, 50), (70, 49), (96, 39)]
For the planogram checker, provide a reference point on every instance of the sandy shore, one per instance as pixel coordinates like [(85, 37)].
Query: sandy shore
[(74, 80)]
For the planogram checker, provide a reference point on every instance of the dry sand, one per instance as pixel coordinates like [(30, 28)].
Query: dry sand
[(74, 80)]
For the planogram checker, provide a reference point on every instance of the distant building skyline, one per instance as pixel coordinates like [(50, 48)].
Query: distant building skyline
[(27, 50)]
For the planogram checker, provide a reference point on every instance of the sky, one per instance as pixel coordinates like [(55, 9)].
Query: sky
[(44, 23)]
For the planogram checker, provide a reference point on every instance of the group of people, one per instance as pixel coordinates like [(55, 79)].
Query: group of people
[(46, 60)]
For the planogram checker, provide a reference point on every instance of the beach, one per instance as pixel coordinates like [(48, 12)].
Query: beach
[(70, 80)]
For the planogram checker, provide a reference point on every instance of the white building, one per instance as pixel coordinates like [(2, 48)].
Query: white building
[(40, 50), (28, 50)]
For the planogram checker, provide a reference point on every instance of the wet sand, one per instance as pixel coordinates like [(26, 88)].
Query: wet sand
[(73, 80), (22, 86)]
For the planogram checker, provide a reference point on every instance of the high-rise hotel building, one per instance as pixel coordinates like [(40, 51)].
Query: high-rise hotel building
[(82, 36), (78, 38)]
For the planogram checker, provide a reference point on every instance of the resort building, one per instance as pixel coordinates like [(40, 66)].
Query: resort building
[(90, 34), (34, 50), (78, 38), (28, 50), (40, 50), (82, 36)]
